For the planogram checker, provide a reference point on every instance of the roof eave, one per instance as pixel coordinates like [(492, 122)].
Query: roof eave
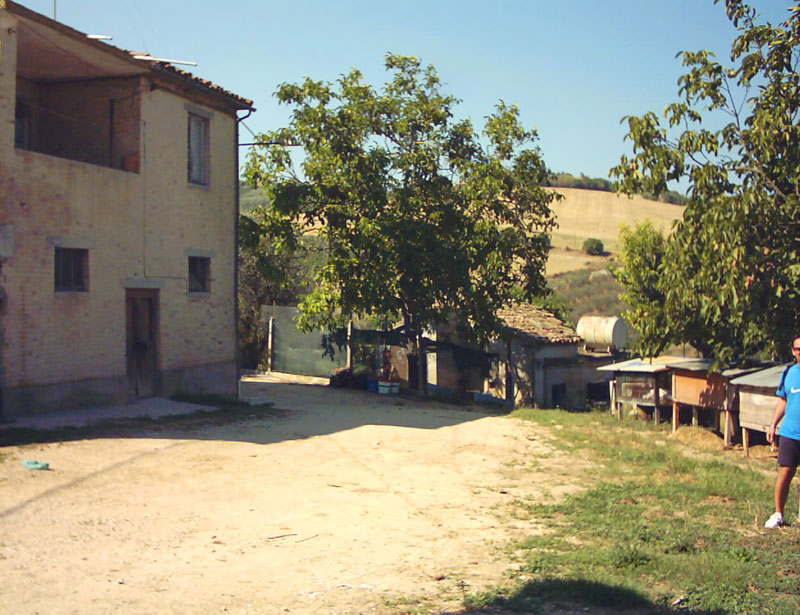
[(145, 66)]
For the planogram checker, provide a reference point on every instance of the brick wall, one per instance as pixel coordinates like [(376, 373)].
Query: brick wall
[(139, 229)]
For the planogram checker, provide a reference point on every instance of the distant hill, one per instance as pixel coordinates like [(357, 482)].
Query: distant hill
[(584, 214), (568, 180), (581, 215), (249, 198)]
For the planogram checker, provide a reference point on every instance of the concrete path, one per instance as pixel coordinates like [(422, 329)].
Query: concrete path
[(153, 407)]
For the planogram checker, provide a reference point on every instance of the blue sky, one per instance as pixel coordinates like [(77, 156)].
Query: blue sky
[(574, 67)]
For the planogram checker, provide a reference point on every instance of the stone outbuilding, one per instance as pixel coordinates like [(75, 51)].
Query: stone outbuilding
[(536, 362)]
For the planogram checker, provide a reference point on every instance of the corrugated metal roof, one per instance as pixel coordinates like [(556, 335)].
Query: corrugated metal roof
[(768, 378), (537, 324), (704, 365), (692, 365), (646, 366)]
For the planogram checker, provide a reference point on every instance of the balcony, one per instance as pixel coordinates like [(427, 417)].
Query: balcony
[(76, 99)]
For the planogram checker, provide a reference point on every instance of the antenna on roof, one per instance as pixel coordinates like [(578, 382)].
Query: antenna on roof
[(149, 58)]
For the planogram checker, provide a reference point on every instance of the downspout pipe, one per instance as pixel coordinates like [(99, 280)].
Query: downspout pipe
[(236, 246)]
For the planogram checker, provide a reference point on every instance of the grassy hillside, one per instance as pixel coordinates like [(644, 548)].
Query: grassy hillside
[(581, 214), (584, 214), (587, 292), (249, 198), (578, 280)]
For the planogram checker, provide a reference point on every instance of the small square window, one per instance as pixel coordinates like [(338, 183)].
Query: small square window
[(199, 274), (198, 149), (71, 270)]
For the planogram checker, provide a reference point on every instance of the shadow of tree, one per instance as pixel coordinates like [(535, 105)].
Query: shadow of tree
[(329, 410), (556, 596)]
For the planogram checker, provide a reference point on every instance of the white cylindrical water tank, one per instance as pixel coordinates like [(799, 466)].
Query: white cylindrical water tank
[(603, 332)]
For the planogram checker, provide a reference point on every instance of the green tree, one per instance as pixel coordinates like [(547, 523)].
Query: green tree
[(639, 269), (268, 275), (730, 278), (423, 220), (593, 247)]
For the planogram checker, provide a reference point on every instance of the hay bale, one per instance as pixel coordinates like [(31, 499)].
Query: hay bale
[(700, 437)]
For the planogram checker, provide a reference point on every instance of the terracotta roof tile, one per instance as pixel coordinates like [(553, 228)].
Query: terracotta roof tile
[(203, 82), (537, 324)]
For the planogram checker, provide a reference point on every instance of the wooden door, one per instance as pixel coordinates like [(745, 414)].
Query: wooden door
[(141, 342)]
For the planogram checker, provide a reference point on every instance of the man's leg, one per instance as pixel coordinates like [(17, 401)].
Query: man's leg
[(785, 476)]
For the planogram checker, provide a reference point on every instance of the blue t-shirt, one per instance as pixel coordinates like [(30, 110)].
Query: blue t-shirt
[(789, 390)]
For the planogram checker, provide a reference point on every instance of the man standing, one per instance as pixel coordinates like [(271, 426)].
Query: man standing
[(788, 409)]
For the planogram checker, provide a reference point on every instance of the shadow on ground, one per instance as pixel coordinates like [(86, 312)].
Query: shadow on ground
[(576, 597), (270, 412)]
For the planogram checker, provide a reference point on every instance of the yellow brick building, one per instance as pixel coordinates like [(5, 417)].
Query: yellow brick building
[(118, 217)]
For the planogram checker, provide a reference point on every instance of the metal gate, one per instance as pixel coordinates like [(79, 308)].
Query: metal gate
[(295, 352)]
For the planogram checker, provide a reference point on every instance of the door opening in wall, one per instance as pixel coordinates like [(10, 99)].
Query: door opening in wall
[(141, 342)]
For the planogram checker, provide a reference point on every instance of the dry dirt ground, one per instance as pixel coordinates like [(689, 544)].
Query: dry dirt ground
[(350, 502)]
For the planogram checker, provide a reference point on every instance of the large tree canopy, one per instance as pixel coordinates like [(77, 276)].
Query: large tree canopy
[(727, 280), (423, 219)]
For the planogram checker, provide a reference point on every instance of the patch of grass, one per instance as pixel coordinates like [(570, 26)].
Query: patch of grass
[(661, 529), (226, 407), (408, 606)]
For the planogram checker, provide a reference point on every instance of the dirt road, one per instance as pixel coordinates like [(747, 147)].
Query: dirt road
[(350, 503)]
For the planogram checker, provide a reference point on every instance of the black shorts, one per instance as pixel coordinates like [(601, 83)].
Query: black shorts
[(788, 452)]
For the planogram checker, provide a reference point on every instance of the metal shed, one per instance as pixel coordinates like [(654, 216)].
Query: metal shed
[(646, 383), (757, 400), (694, 384)]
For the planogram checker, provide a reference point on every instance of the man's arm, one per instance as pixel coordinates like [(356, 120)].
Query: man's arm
[(780, 410)]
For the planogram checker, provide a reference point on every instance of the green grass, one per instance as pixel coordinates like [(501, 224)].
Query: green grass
[(663, 530)]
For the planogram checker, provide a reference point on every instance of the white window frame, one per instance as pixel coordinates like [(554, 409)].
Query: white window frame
[(198, 149)]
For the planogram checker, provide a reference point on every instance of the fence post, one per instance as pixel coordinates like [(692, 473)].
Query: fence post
[(350, 344), (510, 379), (270, 343)]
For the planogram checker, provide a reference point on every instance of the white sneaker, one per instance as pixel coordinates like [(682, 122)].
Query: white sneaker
[(776, 520)]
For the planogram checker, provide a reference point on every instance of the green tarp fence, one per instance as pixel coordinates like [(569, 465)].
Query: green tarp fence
[(308, 354), (321, 353)]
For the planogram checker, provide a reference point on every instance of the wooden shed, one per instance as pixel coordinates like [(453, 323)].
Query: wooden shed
[(644, 383), (695, 385), (757, 400)]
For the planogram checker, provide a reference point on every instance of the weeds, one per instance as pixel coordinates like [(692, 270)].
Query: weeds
[(661, 530)]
